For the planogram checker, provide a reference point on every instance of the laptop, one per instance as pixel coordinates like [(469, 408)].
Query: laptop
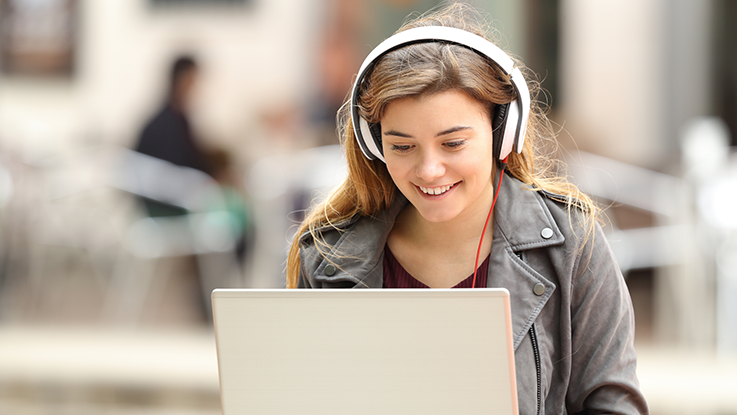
[(368, 351)]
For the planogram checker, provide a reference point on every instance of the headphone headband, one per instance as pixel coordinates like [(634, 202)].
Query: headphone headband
[(513, 135)]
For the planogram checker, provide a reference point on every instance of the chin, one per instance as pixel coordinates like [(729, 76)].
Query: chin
[(438, 217)]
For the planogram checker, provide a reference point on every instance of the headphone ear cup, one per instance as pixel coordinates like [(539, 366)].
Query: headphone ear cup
[(375, 129), (510, 129), (369, 139), (498, 125)]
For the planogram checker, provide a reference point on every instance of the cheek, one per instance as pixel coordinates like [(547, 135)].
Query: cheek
[(396, 169), (479, 167)]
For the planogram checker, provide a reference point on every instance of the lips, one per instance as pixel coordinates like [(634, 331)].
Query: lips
[(436, 191)]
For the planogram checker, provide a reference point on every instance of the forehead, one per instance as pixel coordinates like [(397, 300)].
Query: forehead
[(442, 107)]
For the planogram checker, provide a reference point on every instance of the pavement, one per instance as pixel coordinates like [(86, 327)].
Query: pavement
[(156, 371), (680, 381), (81, 370)]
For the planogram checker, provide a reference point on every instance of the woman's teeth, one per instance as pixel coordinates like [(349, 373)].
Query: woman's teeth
[(435, 190)]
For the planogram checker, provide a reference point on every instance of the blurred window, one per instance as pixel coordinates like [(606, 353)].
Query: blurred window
[(725, 64), (543, 46), (37, 37), (198, 2)]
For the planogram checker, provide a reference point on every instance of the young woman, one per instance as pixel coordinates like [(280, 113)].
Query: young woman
[(448, 187)]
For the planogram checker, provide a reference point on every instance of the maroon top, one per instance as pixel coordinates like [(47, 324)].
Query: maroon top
[(395, 276)]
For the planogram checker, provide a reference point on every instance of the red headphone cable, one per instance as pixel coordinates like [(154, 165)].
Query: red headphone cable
[(488, 217)]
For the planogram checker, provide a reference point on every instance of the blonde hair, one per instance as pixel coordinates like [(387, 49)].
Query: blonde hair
[(429, 68)]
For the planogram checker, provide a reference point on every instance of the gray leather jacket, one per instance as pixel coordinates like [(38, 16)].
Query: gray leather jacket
[(571, 311)]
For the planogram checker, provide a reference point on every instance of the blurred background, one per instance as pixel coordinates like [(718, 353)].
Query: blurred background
[(151, 150)]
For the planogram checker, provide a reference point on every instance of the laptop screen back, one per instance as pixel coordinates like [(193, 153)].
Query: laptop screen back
[(365, 351)]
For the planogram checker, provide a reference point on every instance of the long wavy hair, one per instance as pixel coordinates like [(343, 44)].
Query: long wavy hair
[(430, 68)]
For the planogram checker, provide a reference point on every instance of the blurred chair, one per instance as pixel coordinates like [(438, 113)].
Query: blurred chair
[(711, 172), (62, 223), (666, 244), (283, 187), (79, 213), (716, 204), (9, 225), (690, 244), (649, 191), (208, 231)]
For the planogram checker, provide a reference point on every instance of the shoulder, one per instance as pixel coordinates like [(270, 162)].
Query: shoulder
[(327, 233), (158, 124), (530, 217), (576, 236), (574, 212), (568, 212), (356, 226), (340, 255), (354, 246), (586, 242)]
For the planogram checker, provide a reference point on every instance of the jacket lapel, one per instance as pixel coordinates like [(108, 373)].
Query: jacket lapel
[(522, 221), (359, 252), (520, 218)]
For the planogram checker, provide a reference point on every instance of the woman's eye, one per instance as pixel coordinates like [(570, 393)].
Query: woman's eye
[(455, 144), (401, 148)]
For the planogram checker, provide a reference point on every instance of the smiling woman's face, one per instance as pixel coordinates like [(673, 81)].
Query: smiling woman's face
[(438, 150)]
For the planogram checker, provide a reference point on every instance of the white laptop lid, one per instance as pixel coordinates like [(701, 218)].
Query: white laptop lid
[(439, 351)]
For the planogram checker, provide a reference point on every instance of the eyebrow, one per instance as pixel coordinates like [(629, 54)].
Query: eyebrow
[(442, 133)]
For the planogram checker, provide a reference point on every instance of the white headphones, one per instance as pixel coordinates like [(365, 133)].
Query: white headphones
[(509, 121)]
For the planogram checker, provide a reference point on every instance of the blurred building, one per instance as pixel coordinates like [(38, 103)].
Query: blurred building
[(633, 85), (624, 78)]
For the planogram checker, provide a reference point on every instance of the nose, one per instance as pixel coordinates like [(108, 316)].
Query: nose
[(430, 166)]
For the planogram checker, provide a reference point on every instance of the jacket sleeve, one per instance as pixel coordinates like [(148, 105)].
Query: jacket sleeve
[(603, 372), (302, 281)]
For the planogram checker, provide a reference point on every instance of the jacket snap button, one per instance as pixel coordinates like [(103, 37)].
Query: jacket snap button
[(539, 289), (330, 270), (547, 233)]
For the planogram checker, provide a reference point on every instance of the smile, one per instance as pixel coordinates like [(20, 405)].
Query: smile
[(434, 191)]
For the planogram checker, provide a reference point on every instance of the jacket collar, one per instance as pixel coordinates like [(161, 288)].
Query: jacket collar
[(522, 222), (358, 253), (520, 214), (522, 219)]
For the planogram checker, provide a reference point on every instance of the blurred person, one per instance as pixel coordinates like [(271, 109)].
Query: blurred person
[(338, 53), (168, 135), (441, 122), (235, 200)]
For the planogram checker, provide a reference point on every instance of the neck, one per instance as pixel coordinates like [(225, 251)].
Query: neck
[(460, 235)]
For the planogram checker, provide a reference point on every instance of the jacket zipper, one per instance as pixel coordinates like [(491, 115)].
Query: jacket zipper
[(536, 352)]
